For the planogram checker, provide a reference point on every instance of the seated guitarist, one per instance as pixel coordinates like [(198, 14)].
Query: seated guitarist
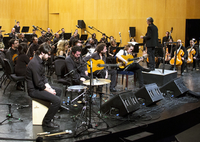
[(134, 67), (100, 54)]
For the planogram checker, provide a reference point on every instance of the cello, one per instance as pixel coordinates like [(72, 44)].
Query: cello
[(191, 52), (178, 54)]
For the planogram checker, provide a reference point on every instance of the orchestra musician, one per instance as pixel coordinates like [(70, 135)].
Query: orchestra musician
[(151, 39), (48, 33), (112, 48), (42, 38), (104, 39), (94, 39), (22, 60), (195, 48), (1, 42), (62, 34), (183, 57), (23, 39), (34, 34), (33, 47), (166, 38), (75, 36), (13, 34), (134, 67), (17, 27), (38, 86), (75, 64), (100, 54), (63, 48)]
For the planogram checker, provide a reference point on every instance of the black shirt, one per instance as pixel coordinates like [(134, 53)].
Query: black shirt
[(12, 35), (41, 40), (17, 29), (35, 75), (10, 54), (23, 40), (48, 34), (20, 67), (33, 47)]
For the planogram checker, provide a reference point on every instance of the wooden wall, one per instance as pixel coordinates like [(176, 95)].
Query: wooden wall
[(28, 12), (108, 16)]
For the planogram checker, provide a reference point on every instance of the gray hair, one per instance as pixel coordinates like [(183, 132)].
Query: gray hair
[(150, 19)]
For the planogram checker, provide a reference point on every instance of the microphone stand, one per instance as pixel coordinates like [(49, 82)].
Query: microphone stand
[(99, 31)]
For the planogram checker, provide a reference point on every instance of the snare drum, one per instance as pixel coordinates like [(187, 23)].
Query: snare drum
[(76, 88)]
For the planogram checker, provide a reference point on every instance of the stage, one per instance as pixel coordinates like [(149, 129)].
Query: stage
[(170, 119)]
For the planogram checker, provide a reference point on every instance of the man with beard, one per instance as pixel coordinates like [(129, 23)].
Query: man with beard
[(100, 54), (76, 67), (38, 86), (33, 47)]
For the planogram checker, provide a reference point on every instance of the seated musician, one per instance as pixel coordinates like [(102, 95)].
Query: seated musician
[(192, 53), (94, 39), (38, 86), (42, 38), (76, 66), (13, 34), (48, 34), (100, 54), (134, 67), (22, 39), (112, 48), (33, 47), (183, 57), (63, 48), (104, 39), (22, 60)]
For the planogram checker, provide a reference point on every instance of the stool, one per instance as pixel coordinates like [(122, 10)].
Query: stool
[(127, 73), (39, 109)]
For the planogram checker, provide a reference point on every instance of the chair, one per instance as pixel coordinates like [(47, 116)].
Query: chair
[(9, 71), (60, 71), (3, 77), (127, 73)]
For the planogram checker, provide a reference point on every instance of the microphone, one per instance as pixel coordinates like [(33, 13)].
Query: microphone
[(69, 72), (90, 27), (77, 26), (35, 27)]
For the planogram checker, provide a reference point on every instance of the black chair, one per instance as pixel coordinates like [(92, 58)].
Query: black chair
[(3, 77), (9, 71), (60, 71)]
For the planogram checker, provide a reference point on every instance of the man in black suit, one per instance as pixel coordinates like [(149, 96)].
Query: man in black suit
[(151, 39)]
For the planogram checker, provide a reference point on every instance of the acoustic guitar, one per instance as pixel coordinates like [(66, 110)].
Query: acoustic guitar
[(98, 65)]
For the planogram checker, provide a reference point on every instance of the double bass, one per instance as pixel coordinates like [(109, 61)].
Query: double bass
[(179, 53)]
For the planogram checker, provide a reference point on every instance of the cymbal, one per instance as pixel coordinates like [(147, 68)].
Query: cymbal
[(97, 82)]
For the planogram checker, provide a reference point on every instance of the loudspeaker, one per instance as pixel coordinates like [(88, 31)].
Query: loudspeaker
[(177, 86), (125, 103), (151, 93), (81, 24), (132, 31)]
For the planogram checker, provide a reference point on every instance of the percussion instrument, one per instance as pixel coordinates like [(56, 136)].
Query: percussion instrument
[(97, 82)]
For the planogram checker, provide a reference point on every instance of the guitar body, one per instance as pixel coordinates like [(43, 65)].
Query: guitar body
[(95, 64), (191, 53), (126, 57)]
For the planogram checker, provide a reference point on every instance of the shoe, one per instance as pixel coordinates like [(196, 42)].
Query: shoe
[(50, 125), (113, 90), (146, 70)]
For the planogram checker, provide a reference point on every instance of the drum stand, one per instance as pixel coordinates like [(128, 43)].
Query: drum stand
[(87, 123)]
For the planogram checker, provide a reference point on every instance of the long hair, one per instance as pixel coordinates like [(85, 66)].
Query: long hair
[(100, 47), (22, 48)]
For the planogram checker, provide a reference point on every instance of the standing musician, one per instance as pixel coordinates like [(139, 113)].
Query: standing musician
[(104, 39), (38, 86), (192, 53), (42, 38), (75, 64), (151, 39), (13, 34), (134, 67), (17, 27), (33, 47), (48, 34), (100, 54), (166, 38), (183, 56)]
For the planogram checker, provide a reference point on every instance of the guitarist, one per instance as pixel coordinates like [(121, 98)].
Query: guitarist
[(193, 46), (134, 67), (100, 54)]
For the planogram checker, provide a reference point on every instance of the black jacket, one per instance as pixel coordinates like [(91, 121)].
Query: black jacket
[(151, 36)]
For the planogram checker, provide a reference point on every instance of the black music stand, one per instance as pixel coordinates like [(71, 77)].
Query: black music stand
[(25, 29), (67, 36), (84, 37)]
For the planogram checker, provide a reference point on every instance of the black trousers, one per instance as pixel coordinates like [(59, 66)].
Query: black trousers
[(151, 53), (53, 99), (136, 68)]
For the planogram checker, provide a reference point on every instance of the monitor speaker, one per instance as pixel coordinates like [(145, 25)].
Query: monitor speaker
[(132, 31), (150, 93), (81, 24), (177, 87), (125, 103)]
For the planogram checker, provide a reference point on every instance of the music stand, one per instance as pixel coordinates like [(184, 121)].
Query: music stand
[(67, 36), (25, 29), (84, 37)]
